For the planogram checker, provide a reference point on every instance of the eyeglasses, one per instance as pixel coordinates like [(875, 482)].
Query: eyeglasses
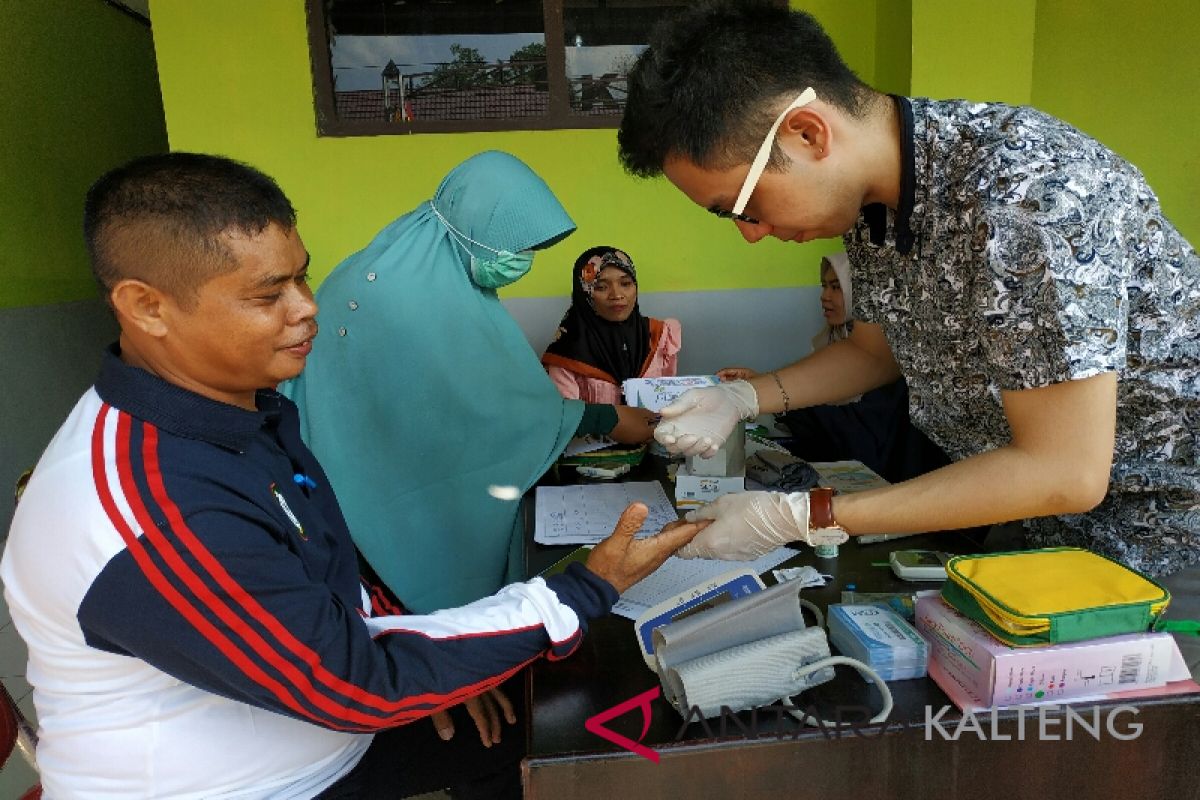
[(759, 164), (723, 214)]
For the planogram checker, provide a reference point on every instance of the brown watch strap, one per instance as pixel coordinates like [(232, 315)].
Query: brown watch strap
[(820, 508)]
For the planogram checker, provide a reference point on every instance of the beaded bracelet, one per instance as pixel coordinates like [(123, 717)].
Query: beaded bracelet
[(787, 401)]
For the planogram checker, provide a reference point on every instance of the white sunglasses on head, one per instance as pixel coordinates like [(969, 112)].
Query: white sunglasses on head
[(759, 164)]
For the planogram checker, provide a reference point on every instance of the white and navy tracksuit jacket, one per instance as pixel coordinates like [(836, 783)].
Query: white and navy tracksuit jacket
[(194, 615)]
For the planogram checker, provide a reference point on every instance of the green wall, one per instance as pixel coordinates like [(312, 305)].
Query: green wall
[(1129, 75), (973, 49), (236, 80), (80, 96), (893, 46), (1125, 73)]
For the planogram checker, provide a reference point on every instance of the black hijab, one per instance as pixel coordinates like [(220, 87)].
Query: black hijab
[(587, 343)]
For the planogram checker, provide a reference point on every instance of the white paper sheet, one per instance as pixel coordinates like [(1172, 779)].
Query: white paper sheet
[(587, 513), (677, 575), (586, 444), (847, 476), (655, 393)]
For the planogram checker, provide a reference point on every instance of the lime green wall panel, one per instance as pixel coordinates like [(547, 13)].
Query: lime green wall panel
[(973, 49), (851, 25), (893, 47), (236, 81), (1129, 75), (80, 96)]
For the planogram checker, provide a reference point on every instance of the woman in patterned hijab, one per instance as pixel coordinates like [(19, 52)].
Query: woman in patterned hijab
[(604, 339)]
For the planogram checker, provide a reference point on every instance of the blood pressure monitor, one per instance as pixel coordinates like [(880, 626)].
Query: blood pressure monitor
[(710, 594), (919, 565)]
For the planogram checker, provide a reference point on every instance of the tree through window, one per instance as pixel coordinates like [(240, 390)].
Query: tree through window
[(411, 66)]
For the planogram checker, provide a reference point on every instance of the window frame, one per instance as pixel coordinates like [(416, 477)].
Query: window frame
[(558, 116)]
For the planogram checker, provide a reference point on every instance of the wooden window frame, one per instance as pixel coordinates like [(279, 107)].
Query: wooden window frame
[(558, 116)]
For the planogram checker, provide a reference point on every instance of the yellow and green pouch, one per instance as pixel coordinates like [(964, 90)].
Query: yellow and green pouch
[(1057, 594)]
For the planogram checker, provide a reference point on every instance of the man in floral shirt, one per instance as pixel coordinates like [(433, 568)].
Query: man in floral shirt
[(1020, 275)]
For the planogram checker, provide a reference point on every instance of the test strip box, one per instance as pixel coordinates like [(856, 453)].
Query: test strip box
[(693, 491), (994, 674)]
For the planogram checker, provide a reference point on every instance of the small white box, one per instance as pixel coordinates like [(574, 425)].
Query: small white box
[(730, 458), (990, 673), (693, 491)]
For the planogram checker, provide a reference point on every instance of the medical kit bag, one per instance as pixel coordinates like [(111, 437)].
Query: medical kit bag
[(1052, 595)]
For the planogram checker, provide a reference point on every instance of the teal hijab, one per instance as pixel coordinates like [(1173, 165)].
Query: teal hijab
[(422, 398)]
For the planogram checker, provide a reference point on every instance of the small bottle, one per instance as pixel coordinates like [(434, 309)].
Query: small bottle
[(826, 550)]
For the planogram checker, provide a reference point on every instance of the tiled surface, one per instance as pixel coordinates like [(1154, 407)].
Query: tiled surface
[(17, 776)]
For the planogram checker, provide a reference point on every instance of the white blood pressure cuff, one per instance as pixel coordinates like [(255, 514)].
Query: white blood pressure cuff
[(749, 675), (747, 653)]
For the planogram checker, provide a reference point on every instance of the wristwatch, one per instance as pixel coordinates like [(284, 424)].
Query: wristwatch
[(822, 527)]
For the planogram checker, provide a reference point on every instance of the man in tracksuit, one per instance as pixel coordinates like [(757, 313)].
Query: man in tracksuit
[(179, 566)]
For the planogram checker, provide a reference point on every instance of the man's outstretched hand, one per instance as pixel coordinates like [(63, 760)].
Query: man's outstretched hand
[(623, 560)]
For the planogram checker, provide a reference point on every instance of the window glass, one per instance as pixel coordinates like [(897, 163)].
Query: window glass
[(421, 60), (602, 40), (417, 66)]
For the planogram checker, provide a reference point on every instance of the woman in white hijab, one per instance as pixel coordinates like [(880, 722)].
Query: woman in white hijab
[(836, 294), (873, 428)]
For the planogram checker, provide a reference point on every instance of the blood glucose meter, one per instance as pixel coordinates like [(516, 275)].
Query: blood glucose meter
[(919, 565)]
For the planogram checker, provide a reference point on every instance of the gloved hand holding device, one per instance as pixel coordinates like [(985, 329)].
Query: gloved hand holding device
[(698, 423), (747, 525)]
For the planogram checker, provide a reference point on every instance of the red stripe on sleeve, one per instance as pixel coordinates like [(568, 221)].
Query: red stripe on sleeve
[(159, 581), (182, 573), (399, 710)]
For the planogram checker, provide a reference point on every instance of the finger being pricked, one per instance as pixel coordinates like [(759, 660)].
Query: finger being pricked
[(675, 535), (630, 522), (698, 524), (647, 555), (623, 560)]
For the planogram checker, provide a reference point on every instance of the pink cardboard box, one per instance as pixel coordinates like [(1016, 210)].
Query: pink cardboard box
[(993, 674)]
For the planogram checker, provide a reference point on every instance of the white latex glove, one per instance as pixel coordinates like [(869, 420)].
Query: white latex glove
[(698, 423), (747, 525)]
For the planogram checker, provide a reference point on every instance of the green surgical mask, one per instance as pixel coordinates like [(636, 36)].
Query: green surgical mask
[(489, 273), (506, 267)]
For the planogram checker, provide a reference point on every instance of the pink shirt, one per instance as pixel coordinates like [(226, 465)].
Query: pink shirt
[(596, 387)]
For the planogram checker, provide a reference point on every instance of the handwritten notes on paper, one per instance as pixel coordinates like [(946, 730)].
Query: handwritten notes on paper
[(655, 393), (587, 514)]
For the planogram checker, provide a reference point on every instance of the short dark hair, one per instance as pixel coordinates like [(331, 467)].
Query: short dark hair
[(160, 219), (709, 86)]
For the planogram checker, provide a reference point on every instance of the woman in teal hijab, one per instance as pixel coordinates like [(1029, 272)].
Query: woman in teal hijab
[(422, 398)]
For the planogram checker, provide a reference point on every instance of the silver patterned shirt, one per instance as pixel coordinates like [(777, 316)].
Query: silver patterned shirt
[(1023, 254)]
